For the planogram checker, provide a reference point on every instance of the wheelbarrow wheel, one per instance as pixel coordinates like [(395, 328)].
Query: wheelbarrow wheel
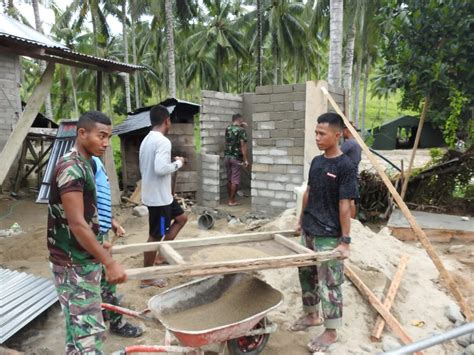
[(249, 345)]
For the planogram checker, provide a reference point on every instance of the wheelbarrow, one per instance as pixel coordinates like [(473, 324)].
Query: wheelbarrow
[(210, 313)]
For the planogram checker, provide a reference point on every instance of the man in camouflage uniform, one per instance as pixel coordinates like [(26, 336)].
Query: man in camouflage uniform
[(235, 154), (325, 225), (76, 250)]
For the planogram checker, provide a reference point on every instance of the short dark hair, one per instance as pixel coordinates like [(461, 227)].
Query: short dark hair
[(236, 116), (90, 118), (158, 115), (331, 118)]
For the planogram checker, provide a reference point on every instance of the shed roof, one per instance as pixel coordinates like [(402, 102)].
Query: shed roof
[(140, 118), (20, 39)]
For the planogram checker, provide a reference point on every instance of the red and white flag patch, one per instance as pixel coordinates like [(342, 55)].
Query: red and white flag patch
[(331, 175)]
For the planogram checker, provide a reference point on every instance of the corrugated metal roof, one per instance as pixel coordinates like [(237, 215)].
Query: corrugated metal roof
[(22, 298), (14, 31), (63, 143), (180, 111)]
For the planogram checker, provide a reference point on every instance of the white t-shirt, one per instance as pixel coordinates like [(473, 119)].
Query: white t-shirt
[(156, 169)]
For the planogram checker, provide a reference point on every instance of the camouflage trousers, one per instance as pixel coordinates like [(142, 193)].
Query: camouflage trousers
[(321, 285), (78, 290)]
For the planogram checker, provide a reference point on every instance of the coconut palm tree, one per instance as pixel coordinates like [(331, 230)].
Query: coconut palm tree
[(335, 42)]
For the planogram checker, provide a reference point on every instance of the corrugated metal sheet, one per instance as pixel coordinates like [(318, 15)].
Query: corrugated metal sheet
[(13, 30), (22, 298), (62, 144), (181, 112)]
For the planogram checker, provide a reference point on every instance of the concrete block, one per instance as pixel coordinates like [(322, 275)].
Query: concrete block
[(283, 160), (296, 133), (268, 142), (284, 195), (297, 115), (261, 134), (261, 116), (299, 87), (277, 152), (212, 174), (211, 188), (299, 142), (266, 193), (282, 178), (261, 99), (265, 125), (295, 169), (278, 169), (210, 181), (296, 151), (279, 133), (299, 106), (233, 97), (291, 187), (263, 159), (300, 124), (210, 158), (260, 185), (285, 106), (282, 89), (289, 97), (277, 203), (284, 124), (260, 151), (276, 186), (291, 204), (297, 179), (298, 160), (265, 89), (263, 108), (210, 166), (285, 143), (259, 167)]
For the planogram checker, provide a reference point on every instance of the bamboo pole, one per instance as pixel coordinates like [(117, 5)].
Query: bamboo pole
[(390, 297), (415, 146), (450, 283)]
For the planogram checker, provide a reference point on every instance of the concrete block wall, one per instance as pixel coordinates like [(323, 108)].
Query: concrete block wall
[(217, 109), (278, 146), (10, 101)]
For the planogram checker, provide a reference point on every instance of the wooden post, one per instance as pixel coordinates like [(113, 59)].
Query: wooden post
[(36, 100), (109, 164), (392, 322), (415, 146), (390, 297), (451, 284)]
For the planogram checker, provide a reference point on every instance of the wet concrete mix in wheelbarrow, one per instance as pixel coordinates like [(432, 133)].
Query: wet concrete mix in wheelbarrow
[(242, 300)]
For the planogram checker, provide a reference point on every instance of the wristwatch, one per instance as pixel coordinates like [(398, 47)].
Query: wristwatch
[(346, 240)]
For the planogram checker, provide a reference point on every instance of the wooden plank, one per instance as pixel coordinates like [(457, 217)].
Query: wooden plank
[(111, 170), (392, 322), (14, 142), (198, 242), (171, 255), (292, 245), (390, 297), (230, 267), (428, 220), (449, 281), (434, 235), (406, 178), (136, 196)]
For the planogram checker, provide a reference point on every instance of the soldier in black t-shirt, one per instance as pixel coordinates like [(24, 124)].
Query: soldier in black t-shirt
[(325, 225)]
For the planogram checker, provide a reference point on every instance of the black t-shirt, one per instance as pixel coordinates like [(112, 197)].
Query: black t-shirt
[(330, 180)]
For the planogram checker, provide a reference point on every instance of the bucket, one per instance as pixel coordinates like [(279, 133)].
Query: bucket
[(205, 221)]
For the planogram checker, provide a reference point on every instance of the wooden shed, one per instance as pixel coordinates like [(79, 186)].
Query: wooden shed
[(400, 134), (137, 125)]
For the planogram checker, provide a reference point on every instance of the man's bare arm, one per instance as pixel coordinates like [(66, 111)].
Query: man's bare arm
[(243, 148), (345, 217), (303, 207)]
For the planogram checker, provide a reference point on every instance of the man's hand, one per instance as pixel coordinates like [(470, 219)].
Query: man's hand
[(183, 160), (244, 124), (118, 230), (298, 229), (344, 250), (245, 163), (115, 273)]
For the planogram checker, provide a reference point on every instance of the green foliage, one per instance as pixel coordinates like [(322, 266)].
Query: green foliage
[(427, 52), (436, 155), (451, 126)]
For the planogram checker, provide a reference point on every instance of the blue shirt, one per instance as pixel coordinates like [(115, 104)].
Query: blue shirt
[(104, 202)]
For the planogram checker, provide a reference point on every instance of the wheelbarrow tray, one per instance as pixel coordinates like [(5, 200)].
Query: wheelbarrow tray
[(214, 309)]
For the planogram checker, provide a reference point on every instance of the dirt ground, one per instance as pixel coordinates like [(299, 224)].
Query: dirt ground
[(45, 335)]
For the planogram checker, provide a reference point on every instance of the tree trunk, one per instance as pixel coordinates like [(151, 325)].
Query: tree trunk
[(364, 99), (259, 43), (126, 76), (39, 27), (355, 102), (134, 53), (74, 91), (335, 42), (170, 38), (349, 60)]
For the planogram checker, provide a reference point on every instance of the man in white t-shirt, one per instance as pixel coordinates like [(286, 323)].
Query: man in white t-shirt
[(165, 217)]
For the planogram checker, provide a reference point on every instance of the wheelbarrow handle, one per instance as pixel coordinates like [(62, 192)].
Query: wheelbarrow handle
[(127, 312)]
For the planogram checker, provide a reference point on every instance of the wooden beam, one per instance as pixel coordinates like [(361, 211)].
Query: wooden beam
[(111, 170), (415, 146), (451, 284), (198, 242), (171, 255), (392, 322), (15, 141), (230, 267), (390, 297), (290, 244)]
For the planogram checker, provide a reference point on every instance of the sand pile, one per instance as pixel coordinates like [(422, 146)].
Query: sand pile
[(375, 258)]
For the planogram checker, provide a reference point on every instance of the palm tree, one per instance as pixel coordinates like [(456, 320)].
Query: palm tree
[(335, 42), (170, 39), (126, 76)]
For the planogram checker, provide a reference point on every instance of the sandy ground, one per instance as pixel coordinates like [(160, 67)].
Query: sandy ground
[(374, 256)]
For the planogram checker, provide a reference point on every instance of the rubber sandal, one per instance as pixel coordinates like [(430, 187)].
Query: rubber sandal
[(298, 327), (127, 330), (154, 283), (315, 346)]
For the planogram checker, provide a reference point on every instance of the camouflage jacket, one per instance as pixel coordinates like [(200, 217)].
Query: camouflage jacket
[(72, 173), (233, 135)]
